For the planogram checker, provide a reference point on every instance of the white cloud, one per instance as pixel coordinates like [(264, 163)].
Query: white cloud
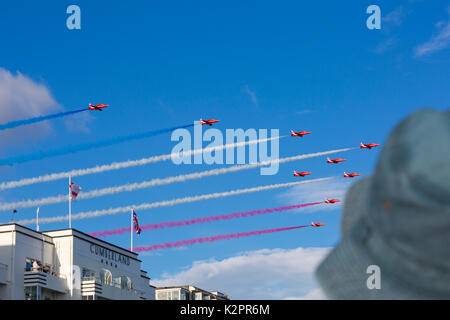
[(439, 41), (395, 17), (251, 94), (316, 192), (261, 274), (390, 21), (386, 45), (315, 294), (22, 98)]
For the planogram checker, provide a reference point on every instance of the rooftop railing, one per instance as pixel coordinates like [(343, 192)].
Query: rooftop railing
[(47, 271)]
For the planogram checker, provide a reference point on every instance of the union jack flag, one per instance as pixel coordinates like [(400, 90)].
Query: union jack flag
[(136, 227)]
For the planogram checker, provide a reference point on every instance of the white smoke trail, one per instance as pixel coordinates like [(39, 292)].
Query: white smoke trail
[(157, 182), (125, 164), (168, 203)]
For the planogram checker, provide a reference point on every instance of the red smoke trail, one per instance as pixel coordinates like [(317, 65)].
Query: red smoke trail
[(212, 239), (169, 224)]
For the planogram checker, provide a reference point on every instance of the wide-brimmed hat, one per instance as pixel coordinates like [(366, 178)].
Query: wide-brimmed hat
[(396, 223)]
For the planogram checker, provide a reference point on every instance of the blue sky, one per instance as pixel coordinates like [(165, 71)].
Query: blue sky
[(258, 64)]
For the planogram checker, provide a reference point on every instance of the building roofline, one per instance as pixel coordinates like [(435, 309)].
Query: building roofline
[(186, 287), (18, 226), (44, 233), (96, 239)]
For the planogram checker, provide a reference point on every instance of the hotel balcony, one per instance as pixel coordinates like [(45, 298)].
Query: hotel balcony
[(93, 288), (45, 280), (3, 273)]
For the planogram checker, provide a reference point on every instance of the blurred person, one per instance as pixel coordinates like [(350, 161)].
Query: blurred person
[(36, 265), (395, 225)]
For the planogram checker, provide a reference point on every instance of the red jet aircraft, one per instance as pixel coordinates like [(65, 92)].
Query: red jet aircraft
[(299, 134), (301, 174), (98, 107), (337, 160), (332, 200), (317, 224), (208, 122), (368, 145), (351, 175)]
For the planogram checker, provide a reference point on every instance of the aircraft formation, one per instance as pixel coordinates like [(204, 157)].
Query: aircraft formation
[(306, 173), (329, 160), (300, 134), (208, 122)]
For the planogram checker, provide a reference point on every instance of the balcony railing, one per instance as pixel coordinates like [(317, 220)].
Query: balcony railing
[(51, 281), (45, 270)]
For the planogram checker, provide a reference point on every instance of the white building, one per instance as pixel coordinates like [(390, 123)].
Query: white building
[(188, 293), (68, 264)]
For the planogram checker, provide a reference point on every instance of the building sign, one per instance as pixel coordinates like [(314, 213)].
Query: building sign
[(110, 255)]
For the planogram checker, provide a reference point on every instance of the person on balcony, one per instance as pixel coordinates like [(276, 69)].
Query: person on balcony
[(36, 266), (46, 269)]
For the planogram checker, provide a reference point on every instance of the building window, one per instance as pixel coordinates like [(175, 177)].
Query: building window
[(106, 277), (128, 284), (175, 295), (87, 273), (162, 295), (198, 296), (168, 295), (117, 282), (32, 293)]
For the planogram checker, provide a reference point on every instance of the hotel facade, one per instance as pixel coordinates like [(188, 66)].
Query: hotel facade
[(67, 265)]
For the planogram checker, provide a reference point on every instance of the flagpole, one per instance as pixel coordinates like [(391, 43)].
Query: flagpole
[(37, 219), (70, 204), (131, 230)]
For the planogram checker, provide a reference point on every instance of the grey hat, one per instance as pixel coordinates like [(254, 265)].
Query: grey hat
[(398, 220)]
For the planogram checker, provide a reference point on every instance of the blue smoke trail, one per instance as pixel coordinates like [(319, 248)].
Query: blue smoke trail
[(18, 123), (85, 146)]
